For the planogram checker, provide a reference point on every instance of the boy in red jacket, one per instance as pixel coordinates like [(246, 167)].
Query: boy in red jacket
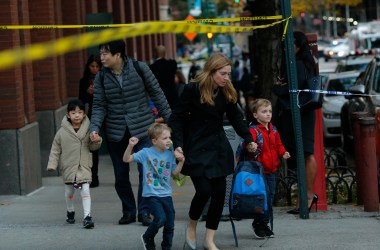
[(270, 149)]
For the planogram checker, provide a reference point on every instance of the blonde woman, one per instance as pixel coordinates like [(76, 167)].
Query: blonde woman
[(197, 124)]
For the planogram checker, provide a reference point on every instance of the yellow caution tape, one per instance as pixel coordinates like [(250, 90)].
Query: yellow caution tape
[(196, 21), (64, 45)]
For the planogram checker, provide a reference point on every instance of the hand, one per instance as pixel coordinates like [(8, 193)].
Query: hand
[(179, 150), (251, 147), (179, 156), (90, 89), (133, 141), (94, 136), (286, 155)]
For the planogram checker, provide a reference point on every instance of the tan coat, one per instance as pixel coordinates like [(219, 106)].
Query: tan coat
[(71, 152)]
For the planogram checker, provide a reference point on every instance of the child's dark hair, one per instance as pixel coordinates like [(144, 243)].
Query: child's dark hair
[(114, 47), (73, 104)]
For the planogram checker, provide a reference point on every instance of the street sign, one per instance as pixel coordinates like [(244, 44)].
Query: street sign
[(190, 35)]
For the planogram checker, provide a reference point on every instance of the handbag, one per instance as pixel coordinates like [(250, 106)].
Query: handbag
[(313, 98)]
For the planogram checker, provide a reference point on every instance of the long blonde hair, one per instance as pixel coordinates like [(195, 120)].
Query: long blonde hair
[(206, 82)]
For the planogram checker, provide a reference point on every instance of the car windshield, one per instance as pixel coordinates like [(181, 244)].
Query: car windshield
[(358, 67), (342, 84)]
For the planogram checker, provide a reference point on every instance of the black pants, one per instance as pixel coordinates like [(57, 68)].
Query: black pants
[(205, 188)]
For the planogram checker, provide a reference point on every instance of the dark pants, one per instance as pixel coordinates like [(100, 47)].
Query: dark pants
[(204, 189), (270, 185), (95, 164), (163, 212), (121, 169)]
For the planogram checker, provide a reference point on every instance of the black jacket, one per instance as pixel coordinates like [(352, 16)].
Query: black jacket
[(198, 129)]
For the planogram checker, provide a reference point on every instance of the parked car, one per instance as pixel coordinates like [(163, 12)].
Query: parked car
[(367, 84), (332, 104), (353, 62), (338, 50)]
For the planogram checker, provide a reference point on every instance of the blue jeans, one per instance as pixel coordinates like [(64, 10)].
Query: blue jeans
[(270, 183), (163, 212), (121, 169)]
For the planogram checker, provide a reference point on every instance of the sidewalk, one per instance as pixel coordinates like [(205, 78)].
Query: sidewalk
[(37, 221)]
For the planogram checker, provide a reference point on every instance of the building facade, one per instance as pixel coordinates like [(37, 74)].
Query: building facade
[(33, 95)]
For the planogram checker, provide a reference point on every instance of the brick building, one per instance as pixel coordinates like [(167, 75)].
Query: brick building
[(33, 95)]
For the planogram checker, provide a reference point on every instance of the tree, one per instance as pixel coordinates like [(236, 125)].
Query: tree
[(265, 48)]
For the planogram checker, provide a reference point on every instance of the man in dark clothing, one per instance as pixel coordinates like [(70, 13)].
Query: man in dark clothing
[(193, 70), (164, 70), (121, 101)]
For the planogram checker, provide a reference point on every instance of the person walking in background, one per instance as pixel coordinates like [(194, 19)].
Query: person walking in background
[(165, 70), (305, 64), (180, 81), (86, 94), (209, 156), (71, 151), (270, 149), (193, 70), (159, 163), (121, 101)]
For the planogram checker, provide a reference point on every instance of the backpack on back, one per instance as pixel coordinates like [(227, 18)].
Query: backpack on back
[(248, 196)]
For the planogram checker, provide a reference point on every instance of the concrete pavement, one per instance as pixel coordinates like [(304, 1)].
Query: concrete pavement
[(37, 221)]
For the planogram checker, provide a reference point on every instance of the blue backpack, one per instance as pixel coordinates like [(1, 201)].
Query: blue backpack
[(248, 196)]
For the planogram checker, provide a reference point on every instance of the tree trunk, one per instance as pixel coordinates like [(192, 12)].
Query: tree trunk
[(265, 48)]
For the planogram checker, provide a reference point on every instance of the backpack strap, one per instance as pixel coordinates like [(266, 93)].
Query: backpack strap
[(259, 139)]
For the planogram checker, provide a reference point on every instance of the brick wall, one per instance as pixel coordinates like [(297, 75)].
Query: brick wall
[(11, 84)]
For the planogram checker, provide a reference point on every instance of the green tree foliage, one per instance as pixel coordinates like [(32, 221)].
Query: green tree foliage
[(299, 6)]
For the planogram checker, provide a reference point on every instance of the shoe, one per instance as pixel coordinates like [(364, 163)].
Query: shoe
[(314, 200), (268, 232), (127, 219), (88, 223), (190, 243), (94, 183), (145, 219), (148, 243), (70, 217), (294, 211), (258, 230)]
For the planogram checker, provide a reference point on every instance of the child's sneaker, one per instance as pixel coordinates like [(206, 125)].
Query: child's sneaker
[(70, 217), (268, 232), (258, 230), (148, 243), (88, 223)]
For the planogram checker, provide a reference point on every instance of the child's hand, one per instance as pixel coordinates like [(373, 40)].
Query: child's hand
[(251, 147), (286, 155), (97, 139), (179, 156), (133, 141)]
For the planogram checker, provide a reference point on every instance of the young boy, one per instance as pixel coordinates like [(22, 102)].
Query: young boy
[(268, 155), (71, 150), (159, 163)]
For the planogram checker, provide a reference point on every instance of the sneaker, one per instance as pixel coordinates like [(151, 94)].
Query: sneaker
[(127, 219), (145, 219), (148, 243), (88, 223), (268, 232), (258, 231), (70, 217)]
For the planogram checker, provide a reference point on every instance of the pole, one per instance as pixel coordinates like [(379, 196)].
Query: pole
[(293, 84)]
